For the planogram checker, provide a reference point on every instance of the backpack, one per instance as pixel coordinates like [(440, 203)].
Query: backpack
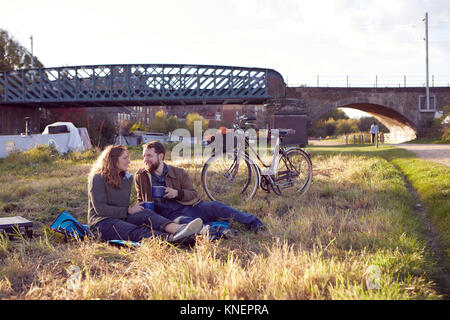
[(69, 226)]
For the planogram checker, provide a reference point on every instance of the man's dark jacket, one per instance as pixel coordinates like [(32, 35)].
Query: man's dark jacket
[(176, 178)]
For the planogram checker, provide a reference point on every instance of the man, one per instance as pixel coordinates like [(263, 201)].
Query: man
[(374, 131), (181, 202)]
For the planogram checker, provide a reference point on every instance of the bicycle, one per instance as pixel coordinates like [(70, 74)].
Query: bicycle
[(226, 177)]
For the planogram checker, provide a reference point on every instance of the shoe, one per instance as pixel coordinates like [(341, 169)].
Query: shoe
[(187, 230)]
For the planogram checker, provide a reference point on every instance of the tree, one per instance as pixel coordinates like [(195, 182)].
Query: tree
[(334, 114), (366, 122), (13, 56), (346, 126), (136, 126), (190, 122), (125, 127), (343, 127), (330, 127), (317, 129), (159, 123), (172, 123), (326, 125)]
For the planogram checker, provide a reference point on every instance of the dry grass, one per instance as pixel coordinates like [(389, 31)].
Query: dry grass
[(357, 214)]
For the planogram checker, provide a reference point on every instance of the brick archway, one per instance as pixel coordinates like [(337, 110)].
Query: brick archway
[(400, 127)]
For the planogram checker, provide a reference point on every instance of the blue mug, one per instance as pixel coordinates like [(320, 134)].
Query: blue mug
[(158, 191), (148, 205)]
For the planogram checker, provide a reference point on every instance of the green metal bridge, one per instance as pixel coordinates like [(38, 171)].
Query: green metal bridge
[(138, 84)]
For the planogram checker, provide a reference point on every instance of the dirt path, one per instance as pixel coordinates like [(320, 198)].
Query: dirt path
[(439, 153)]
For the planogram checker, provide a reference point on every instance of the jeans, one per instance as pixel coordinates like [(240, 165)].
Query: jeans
[(215, 211), (143, 224)]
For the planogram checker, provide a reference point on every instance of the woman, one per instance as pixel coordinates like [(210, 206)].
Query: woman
[(109, 213)]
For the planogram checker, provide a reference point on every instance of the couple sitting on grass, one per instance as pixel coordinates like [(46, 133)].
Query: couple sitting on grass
[(178, 216)]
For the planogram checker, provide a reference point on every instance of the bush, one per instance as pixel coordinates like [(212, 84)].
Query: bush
[(39, 154), (430, 128), (446, 133), (83, 156)]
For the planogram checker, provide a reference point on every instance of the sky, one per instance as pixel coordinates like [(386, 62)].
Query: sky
[(325, 42)]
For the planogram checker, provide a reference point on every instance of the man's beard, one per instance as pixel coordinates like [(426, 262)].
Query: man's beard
[(152, 167)]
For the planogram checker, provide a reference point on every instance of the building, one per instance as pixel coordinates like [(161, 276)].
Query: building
[(217, 115)]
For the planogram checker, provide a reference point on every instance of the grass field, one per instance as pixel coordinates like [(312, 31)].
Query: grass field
[(354, 235)]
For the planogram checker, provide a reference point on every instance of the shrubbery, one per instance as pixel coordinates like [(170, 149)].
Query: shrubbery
[(39, 154), (42, 154)]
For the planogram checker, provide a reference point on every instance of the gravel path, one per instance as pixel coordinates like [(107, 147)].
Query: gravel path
[(439, 153)]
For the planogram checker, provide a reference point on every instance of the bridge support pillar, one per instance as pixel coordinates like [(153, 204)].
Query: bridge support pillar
[(289, 114)]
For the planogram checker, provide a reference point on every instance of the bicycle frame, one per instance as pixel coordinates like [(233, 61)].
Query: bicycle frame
[(271, 168)]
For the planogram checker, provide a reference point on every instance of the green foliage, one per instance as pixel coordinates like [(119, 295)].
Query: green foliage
[(346, 126), (39, 154), (337, 123), (365, 123), (431, 129), (172, 123), (136, 126), (445, 126), (334, 114), (86, 156), (191, 118), (125, 126), (330, 127), (159, 123), (13, 56)]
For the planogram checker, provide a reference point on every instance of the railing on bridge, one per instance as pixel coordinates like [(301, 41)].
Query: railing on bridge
[(139, 85), (354, 81)]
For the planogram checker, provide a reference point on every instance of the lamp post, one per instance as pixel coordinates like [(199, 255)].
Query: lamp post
[(32, 55), (426, 60)]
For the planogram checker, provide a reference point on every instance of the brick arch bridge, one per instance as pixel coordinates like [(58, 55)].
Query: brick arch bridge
[(401, 110)]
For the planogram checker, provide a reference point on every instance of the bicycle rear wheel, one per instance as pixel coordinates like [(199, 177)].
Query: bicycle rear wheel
[(295, 170), (229, 180)]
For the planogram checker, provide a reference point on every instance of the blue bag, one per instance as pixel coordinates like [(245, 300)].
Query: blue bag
[(66, 224)]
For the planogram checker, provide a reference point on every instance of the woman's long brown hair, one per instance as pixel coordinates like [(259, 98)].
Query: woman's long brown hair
[(106, 165)]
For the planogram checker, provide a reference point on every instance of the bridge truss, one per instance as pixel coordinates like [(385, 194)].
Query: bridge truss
[(138, 84)]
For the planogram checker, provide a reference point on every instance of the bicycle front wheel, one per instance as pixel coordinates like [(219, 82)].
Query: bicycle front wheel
[(295, 170), (229, 179)]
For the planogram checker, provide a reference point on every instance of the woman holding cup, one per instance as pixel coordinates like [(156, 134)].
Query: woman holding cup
[(110, 215)]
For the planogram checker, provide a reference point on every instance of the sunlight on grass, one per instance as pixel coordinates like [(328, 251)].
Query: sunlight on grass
[(356, 217)]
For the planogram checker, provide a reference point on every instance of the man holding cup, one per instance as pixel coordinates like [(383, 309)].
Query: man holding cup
[(174, 195)]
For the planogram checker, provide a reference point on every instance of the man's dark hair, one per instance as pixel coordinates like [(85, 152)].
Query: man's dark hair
[(155, 144)]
